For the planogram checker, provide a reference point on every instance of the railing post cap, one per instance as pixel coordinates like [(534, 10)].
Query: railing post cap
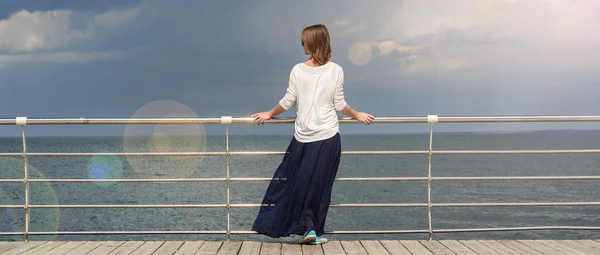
[(432, 119), (226, 119), (21, 121)]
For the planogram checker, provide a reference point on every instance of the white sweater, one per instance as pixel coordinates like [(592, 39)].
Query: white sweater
[(319, 94)]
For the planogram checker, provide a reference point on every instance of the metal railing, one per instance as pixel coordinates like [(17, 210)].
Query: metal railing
[(227, 121)]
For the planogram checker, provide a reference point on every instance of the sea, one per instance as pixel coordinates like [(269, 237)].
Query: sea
[(339, 219)]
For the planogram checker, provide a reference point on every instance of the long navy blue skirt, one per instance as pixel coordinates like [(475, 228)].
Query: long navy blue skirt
[(301, 201)]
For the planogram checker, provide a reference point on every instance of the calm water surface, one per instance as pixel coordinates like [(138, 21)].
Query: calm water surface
[(344, 192)]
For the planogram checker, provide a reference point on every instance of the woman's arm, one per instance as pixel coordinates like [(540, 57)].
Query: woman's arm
[(360, 116)]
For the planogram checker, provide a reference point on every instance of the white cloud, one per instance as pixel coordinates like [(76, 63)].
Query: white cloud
[(26, 31), (45, 36), (486, 34)]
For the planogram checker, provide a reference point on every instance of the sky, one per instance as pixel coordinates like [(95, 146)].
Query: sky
[(157, 58)]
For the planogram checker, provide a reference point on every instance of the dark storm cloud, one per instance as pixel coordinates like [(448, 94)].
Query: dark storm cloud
[(109, 58)]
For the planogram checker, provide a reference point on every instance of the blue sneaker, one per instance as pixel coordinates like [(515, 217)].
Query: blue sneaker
[(308, 237), (319, 240)]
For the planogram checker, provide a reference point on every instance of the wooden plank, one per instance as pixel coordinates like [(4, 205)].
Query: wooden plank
[(500, 248), (290, 249), (230, 248), (333, 248), (353, 248), (457, 247), (436, 247), (85, 248), (367, 247), (106, 248), (374, 247), (415, 247), (148, 248), (578, 246), (395, 247), (311, 249), (65, 248), (590, 244), (209, 248), (560, 247), (169, 247), (10, 245), (189, 248), (44, 248), (521, 248), (478, 247), (540, 247), (250, 248), (270, 249), (126, 248), (22, 247)]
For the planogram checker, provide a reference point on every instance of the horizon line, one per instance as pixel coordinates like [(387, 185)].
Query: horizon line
[(486, 132)]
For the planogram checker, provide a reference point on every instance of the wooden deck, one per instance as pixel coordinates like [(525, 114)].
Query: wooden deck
[(435, 247)]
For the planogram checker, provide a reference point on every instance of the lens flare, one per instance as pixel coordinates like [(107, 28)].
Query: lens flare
[(105, 167), (40, 193), (360, 53), (165, 138)]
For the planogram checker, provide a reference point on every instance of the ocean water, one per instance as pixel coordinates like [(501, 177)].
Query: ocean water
[(394, 218)]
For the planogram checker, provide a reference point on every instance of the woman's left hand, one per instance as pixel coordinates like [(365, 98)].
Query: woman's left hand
[(259, 118)]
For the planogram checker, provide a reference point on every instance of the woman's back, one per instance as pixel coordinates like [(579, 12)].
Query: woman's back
[(319, 95)]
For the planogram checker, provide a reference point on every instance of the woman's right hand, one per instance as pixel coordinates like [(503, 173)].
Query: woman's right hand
[(365, 118), (259, 118)]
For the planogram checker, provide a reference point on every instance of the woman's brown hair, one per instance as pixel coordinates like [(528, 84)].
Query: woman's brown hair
[(316, 39)]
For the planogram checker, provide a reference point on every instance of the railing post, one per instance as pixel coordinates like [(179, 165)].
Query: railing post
[(227, 120), (432, 120), (22, 121)]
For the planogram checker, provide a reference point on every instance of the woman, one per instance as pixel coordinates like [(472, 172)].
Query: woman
[(300, 194)]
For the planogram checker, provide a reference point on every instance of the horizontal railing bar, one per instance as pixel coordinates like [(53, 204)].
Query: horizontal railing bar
[(515, 204), (118, 180), (332, 205), (351, 179), (353, 232), (380, 205), (516, 229), (12, 233), (516, 152), (137, 121), (245, 232), (248, 120), (198, 206), (274, 153), (384, 152), (172, 232), (185, 154), (239, 179), (520, 119), (129, 206), (516, 178), (140, 154)]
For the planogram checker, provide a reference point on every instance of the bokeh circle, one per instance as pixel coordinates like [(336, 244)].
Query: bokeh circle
[(105, 167), (360, 53), (164, 138)]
